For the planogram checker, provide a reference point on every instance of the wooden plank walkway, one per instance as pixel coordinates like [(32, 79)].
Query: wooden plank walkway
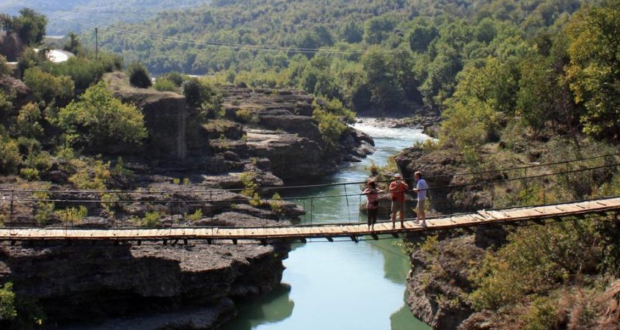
[(329, 231)]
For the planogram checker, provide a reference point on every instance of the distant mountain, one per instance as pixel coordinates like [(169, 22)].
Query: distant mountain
[(80, 15)]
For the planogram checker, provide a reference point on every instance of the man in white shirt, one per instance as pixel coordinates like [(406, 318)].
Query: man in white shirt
[(421, 188)]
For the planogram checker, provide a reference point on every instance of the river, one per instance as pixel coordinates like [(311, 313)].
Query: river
[(340, 285)]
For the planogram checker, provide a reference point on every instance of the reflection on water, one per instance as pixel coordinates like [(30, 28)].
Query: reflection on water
[(256, 314), (341, 285)]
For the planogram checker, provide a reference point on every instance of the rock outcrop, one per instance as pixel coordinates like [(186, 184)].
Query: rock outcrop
[(450, 190), (278, 125), (166, 116), (439, 280), (82, 283)]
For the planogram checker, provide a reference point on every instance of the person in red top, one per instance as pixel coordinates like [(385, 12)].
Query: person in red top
[(398, 188)]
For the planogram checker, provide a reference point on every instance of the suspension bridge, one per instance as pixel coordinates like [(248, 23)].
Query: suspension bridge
[(352, 229), (598, 207)]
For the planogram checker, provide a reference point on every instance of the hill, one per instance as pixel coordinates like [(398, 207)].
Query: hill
[(370, 54), (81, 15)]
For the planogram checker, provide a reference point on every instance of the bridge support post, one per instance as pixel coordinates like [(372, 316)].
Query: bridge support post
[(354, 239), (11, 210), (330, 239)]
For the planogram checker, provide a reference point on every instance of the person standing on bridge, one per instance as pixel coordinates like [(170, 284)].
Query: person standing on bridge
[(421, 188), (398, 188), (372, 205)]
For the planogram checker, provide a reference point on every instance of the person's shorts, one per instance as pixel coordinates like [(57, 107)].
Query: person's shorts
[(421, 206), (398, 206)]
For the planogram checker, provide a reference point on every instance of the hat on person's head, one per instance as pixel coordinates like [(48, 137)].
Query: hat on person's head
[(397, 175)]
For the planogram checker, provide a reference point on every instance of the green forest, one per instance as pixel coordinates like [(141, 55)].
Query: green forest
[(81, 15), (379, 55)]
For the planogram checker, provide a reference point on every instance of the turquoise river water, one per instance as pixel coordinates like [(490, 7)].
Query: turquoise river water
[(340, 285)]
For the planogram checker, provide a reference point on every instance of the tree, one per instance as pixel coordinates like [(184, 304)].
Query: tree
[(30, 26), (594, 71), (102, 123), (352, 32), (139, 76), (383, 84), (202, 95), (421, 36), (74, 45), (377, 29)]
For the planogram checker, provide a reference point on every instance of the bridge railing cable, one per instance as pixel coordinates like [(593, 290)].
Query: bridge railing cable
[(184, 207)]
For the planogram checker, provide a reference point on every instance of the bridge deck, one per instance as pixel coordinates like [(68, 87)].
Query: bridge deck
[(317, 231)]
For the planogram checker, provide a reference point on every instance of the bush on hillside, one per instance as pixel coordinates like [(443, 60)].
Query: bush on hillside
[(139, 76), (49, 88), (10, 157), (85, 71), (30, 59), (331, 126), (101, 123), (177, 78), (163, 85), (520, 269), (28, 123), (203, 95), (4, 67)]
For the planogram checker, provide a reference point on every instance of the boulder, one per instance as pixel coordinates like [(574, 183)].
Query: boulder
[(285, 149)]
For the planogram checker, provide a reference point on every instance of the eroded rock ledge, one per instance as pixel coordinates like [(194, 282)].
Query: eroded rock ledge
[(107, 280)]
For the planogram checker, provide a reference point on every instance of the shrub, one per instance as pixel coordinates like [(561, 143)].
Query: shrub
[(330, 127), (194, 216), (7, 302), (45, 210), (249, 182), (30, 59), (163, 84), (276, 204), (30, 174), (176, 78), (139, 76), (10, 159), (85, 71), (256, 201), (247, 116), (46, 87), (102, 123), (28, 121), (6, 104), (542, 315), (150, 220), (120, 170), (90, 175), (110, 201), (4, 67), (536, 260), (336, 107), (203, 95), (72, 215)]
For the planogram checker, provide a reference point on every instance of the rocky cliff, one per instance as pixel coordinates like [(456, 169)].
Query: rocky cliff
[(82, 283)]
